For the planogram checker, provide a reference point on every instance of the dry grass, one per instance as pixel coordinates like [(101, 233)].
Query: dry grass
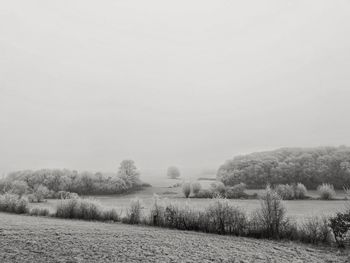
[(40, 239)]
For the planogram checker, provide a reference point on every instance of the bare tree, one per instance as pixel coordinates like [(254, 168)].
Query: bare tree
[(173, 172)]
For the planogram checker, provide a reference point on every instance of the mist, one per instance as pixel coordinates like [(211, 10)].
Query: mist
[(185, 83)]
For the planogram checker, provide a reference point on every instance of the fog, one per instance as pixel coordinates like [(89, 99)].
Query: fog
[(86, 84)]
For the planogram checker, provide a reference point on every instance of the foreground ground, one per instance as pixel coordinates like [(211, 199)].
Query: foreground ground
[(38, 239)]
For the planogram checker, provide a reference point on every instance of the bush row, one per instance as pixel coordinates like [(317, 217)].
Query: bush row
[(220, 217), (52, 181), (86, 209), (216, 189), (290, 192), (238, 191)]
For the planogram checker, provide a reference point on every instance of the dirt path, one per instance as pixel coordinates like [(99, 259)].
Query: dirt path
[(37, 239)]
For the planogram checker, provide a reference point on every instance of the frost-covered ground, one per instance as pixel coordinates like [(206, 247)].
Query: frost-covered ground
[(38, 239)]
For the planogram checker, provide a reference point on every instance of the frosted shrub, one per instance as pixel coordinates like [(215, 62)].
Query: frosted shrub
[(13, 204), (38, 211), (22, 206), (110, 215), (300, 191), (218, 188), (340, 225), (182, 217), (326, 191), (186, 189), (314, 230), (196, 187), (86, 209), (134, 212), (66, 195), (157, 211), (18, 187), (347, 192), (40, 194), (236, 191), (225, 218), (285, 191), (205, 193), (272, 214)]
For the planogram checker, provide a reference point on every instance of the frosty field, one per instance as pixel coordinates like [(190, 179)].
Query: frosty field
[(297, 209), (39, 239)]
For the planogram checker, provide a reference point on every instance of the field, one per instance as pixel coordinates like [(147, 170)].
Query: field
[(38, 239), (297, 209)]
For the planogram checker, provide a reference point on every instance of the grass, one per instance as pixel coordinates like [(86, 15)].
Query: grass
[(42, 239)]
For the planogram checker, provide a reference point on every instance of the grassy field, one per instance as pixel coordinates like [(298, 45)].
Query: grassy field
[(298, 209), (38, 239)]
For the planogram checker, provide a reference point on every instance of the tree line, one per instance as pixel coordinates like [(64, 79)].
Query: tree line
[(82, 183), (309, 166)]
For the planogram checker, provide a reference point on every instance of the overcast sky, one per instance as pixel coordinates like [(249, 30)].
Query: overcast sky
[(85, 84)]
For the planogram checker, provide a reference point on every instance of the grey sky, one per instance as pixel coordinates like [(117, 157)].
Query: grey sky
[(85, 84)]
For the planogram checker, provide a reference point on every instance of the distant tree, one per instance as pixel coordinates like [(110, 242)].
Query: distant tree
[(308, 166), (41, 193), (128, 172), (72, 181), (173, 172), (18, 187)]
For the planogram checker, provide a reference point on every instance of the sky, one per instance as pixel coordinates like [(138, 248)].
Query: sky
[(85, 84)]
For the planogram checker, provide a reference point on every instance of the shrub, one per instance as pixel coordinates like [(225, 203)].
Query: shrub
[(272, 214), (175, 185), (346, 192), (182, 217), (13, 204), (38, 211), (300, 191), (31, 198), (110, 215), (236, 191), (218, 188), (41, 193), (186, 189), (18, 187), (205, 193), (314, 230), (196, 187), (225, 218), (157, 211), (340, 226), (326, 191), (285, 191), (5, 186), (22, 206), (134, 212), (86, 209), (66, 195)]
